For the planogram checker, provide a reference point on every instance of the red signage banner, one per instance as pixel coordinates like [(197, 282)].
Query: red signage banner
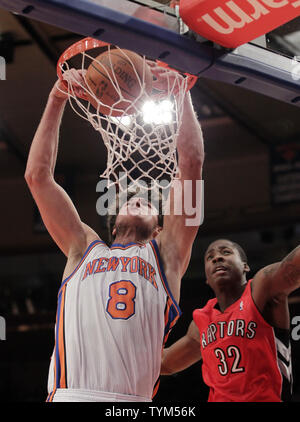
[(236, 22)]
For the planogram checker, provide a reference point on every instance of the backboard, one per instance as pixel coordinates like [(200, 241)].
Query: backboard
[(152, 28)]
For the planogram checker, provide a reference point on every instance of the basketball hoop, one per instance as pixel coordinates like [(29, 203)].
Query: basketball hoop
[(140, 138)]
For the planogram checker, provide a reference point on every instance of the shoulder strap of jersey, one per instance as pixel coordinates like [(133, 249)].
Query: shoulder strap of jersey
[(163, 277)]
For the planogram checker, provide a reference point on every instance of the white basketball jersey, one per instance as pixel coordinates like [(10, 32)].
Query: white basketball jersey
[(114, 314)]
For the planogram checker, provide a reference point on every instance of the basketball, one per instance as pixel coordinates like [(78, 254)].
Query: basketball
[(116, 77)]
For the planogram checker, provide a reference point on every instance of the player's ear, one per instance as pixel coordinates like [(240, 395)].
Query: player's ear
[(156, 231), (114, 231), (246, 267)]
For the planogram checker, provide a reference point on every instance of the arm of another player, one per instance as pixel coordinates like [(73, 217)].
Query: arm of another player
[(57, 210), (181, 227), (276, 281), (183, 353)]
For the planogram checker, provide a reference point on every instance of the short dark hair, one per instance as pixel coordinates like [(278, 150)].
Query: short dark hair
[(241, 251), (121, 199), (238, 247)]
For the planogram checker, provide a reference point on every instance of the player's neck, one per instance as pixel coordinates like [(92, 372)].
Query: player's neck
[(129, 239), (132, 234), (226, 297)]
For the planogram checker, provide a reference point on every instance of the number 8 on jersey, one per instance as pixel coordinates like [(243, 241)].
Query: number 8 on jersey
[(121, 302)]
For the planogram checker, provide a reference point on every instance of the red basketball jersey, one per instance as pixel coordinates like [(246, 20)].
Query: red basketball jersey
[(243, 358)]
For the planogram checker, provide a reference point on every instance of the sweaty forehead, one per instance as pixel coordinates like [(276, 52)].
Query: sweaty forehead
[(218, 245)]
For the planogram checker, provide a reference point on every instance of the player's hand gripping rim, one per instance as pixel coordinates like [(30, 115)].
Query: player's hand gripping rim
[(73, 84), (167, 81)]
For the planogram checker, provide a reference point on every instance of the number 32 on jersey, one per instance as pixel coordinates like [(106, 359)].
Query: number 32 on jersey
[(121, 301), (232, 354)]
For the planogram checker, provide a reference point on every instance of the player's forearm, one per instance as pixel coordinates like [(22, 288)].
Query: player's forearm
[(289, 271), (180, 356), (173, 362), (169, 364), (43, 152), (280, 278), (190, 139)]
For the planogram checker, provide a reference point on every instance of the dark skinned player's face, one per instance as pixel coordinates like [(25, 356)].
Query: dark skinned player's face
[(223, 265)]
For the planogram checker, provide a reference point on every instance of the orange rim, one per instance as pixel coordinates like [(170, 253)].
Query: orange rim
[(89, 43)]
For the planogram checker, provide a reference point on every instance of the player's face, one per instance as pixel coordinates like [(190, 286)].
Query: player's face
[(223, 264), (139, 212)]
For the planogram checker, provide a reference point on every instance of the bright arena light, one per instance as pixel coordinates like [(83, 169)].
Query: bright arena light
[(158, 113), (155, 113)]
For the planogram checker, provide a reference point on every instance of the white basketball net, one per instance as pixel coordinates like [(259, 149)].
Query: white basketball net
[(141, 142)]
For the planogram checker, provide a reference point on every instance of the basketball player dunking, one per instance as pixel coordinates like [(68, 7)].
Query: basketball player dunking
[(242, 335), (116, 305)]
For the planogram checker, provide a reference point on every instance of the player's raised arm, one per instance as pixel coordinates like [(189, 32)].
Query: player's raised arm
[(275, 282), (183, 215), (57, 210)]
